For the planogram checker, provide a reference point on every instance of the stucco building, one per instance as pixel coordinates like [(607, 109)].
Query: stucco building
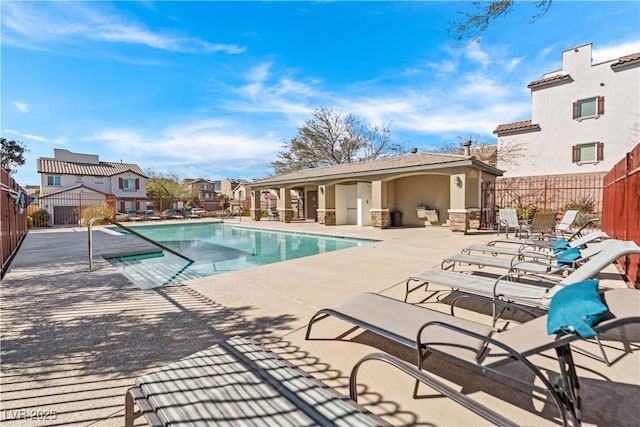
[(70, 181), (372, 193), (584, 118)]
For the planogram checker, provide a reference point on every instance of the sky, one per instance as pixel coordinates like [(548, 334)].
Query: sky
[(211, 89)]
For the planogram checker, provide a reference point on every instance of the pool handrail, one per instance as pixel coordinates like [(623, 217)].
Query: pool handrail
[(129, 230)]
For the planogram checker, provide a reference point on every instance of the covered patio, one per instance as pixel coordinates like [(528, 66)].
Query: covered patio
[(413, 190)]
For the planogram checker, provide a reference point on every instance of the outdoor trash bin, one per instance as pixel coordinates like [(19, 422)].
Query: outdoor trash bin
[(396, 219)]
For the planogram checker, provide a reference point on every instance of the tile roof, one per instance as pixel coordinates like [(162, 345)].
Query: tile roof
[(69, 189), (524, 125), (376, 167), (52, 166), (626, 60), (558, 78)]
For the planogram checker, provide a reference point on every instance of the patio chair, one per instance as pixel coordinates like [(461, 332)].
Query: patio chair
[(509, 220), (542, 225), (238, 382), (272, 213), (482, 350), (536, 292), (566, 223)]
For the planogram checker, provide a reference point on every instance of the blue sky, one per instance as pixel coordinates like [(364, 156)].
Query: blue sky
[(211, 89)]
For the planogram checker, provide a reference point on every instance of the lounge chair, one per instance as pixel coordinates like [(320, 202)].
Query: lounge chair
[(509, 220), (496, 247), (537, 293), (566, 223), (238, 382), (478, 347), (531, 261), (132, 215)]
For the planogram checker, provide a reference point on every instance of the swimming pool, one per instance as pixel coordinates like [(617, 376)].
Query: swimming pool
[(217, 248)]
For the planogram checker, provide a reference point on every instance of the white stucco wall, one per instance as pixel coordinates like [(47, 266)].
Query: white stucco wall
[(548, 151), (364, 204)]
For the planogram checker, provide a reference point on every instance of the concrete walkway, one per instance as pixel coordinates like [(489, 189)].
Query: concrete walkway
[(73, 341)]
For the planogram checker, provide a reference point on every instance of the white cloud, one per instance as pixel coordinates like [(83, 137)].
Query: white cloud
[(70, 22), (22, 107), (474, 52), (211, 145), (614, 51), (34, 137)]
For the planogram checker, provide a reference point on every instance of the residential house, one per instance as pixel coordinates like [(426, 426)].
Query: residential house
[(71, 181), (207, 194), (584, 118)]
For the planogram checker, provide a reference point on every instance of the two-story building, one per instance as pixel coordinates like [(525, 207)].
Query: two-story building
[(206, 193), (584, 118), (71, 181)]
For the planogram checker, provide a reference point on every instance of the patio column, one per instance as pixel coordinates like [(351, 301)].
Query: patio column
[(285, 211), (380, 216), (255, 211), (458, 215), (327, 204)]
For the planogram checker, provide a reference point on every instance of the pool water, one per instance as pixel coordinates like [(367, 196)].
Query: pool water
[(217, 248)]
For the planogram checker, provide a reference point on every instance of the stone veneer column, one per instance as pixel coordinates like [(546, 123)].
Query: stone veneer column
[(459, 220), (474, 215), (286, 215), (327, 216), (380, 218), (254, 210)]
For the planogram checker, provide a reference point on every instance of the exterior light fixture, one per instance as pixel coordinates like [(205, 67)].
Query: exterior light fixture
[(458, 182)]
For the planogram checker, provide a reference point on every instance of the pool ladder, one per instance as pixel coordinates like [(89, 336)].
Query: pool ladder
[(129, 230)]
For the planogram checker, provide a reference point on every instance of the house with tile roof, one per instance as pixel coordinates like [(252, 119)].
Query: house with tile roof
[(419, 189), (584, 118), (71, 181)]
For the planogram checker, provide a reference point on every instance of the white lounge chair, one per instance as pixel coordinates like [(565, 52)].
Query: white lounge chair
[(516, 247), (530, 261), (478, 347), (537, 294), (238, 382)]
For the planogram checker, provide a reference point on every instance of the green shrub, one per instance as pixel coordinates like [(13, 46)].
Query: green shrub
[(40, 218), (584, 205), (94, 211)]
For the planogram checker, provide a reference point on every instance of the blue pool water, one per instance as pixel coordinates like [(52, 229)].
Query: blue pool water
[(217, 248)]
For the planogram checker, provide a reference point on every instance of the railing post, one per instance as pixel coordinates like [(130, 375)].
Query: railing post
[(135, 233)]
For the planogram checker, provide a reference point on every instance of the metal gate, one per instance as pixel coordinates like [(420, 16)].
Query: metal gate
[(488, 206)]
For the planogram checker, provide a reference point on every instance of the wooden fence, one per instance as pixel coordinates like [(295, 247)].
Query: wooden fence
[(13, 220), (621, 208)]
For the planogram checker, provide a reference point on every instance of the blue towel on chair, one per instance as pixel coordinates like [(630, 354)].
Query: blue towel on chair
[(567, 257), (559, 245)]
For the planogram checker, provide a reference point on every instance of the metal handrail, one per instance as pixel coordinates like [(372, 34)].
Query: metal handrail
[(135, 233)]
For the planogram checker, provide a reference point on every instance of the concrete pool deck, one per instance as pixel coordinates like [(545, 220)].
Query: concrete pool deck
[(73, 341)]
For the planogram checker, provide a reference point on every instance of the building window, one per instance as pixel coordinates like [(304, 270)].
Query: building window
[(79, 178), (54, 181), (99, 180), (588, 107), (592, 152), (129, 184)]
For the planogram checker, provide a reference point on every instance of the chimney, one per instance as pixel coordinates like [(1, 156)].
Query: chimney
[(467, 147)]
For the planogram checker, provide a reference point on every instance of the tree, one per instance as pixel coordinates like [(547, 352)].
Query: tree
[(330, 138), (170, 186), (12, 154), (505, 153), (473, 24)]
